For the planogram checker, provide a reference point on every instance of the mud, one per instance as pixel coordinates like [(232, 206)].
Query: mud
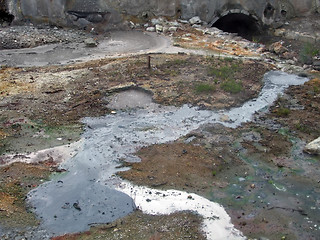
[(90, 174), (17, 180)]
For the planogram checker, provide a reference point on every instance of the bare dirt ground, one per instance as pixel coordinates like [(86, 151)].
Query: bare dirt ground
[(242, 169), (180, 225)]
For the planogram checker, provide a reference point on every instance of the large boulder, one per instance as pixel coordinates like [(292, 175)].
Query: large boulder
[(313, 147)]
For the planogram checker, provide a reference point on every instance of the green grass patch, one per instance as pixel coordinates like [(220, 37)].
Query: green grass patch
[(224, 72), (177, 62), (229, 59), (303, 128), (310, 49), (283, 112), (231, 86), (308, 52), (204, 88)]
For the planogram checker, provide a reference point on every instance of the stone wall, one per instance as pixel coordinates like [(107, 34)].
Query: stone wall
[(82, 13)]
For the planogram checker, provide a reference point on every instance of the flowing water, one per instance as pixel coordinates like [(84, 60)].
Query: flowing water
[(90, 193)]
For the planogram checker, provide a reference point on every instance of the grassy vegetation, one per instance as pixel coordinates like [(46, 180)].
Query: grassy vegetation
[(226, 74), (231, 86), (176, 62), (226, 71), (310, 49), (204, 88), (308, 52), (303, 128), (283, 112), (221, 72)]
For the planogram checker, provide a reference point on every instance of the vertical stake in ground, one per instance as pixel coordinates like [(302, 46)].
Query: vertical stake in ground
[(149, 62)]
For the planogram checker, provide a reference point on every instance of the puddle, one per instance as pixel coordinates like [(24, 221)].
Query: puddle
[(87, 194), (119, 42)]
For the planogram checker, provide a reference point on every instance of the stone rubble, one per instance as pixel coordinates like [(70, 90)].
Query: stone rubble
[(27, 36)]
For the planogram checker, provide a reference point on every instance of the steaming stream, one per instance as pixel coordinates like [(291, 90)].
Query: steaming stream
[(90, 193)]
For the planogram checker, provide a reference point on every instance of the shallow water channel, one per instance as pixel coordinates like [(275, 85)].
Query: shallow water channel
[(90, 193)]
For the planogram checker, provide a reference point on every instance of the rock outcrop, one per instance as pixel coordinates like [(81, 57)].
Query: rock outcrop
[(83, 13)]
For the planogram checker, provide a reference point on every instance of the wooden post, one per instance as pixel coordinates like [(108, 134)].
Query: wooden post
[(149, 62)]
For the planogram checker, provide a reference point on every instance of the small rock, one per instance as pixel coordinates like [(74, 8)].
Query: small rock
[(132, 25), (280, 32), (81, 22), (278, 48), (90, 42), (174, 24), (195, 20), (165, 29), (316, 65), (156, 21), (159, 28), (224, 118), (313, 147), (303, 74), (151, 29), (183, 21), (94, 17), (172, 29), (290, 55), (76, 206), (196, 26), (73, 17)]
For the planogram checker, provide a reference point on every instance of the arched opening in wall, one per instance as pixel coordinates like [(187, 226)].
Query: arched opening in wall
[(6, 17), (242, 24)]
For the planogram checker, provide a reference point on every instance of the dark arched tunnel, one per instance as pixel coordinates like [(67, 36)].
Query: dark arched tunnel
[(242, 24), (5, 17)]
